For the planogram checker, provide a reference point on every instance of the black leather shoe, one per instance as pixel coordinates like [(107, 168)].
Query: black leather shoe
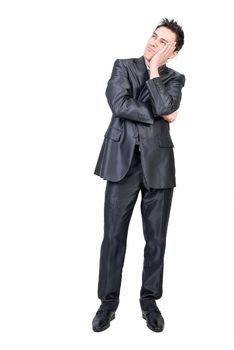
[(154, 319), (102, 320)]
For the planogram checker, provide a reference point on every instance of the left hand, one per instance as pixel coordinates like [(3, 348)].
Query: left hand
[(170, 117)]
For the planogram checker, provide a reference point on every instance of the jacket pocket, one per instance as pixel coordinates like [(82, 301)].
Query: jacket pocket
[(165, 141), (113, 133)]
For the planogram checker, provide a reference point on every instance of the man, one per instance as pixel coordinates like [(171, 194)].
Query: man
[(137, 154)]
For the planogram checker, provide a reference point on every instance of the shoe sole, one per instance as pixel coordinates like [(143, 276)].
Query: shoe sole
[(104, 328), (152, 329)]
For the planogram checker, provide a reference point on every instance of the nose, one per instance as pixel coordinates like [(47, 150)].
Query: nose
[(155, 42)]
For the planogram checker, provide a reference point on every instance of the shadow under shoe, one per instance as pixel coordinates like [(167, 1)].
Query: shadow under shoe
[(102, 320)]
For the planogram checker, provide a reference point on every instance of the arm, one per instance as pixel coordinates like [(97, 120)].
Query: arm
[(118, 93), (165, 98)]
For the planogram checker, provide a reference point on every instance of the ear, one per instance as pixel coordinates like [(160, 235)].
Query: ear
[(173, 54)]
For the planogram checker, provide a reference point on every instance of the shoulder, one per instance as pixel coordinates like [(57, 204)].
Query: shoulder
[(123, 65), (125, 61)]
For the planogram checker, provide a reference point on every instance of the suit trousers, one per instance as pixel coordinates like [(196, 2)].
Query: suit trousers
[(120, 199)]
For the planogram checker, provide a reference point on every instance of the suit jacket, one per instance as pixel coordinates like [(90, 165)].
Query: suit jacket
[(137, 104)]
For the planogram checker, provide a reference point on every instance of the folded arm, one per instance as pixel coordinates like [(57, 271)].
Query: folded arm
[(118, 94), (165, 98)]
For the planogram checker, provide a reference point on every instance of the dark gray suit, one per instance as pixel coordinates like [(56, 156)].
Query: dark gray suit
[(137, 104)]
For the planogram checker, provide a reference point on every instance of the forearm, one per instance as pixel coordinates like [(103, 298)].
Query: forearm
[(122, 104), (154, 73), (165, 99), (134, 111)]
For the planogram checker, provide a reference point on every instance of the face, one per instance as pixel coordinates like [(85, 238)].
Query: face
[(157, 41)]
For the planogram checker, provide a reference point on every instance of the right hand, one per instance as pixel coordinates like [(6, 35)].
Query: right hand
[(162, 55)]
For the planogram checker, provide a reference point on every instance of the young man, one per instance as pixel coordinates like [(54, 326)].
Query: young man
[(137, 155)]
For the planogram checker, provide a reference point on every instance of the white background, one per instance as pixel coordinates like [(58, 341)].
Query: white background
[(56, 58)]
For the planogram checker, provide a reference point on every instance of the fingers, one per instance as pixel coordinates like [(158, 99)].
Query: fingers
[(165, 118), (169, 120), (173, 114), (168, 49), (170, 117), (164, 54)]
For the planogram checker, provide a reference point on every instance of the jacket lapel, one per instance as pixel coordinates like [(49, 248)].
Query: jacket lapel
[(142, 71), (143, 76)]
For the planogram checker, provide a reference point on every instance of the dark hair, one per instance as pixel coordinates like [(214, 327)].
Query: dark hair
[(175, 28)]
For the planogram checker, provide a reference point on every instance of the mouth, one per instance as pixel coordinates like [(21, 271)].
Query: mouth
[(150, 50)]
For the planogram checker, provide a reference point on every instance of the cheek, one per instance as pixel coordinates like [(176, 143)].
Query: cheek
[(150, 41)]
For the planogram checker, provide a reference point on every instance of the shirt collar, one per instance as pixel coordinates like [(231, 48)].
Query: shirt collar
[(160, 69)]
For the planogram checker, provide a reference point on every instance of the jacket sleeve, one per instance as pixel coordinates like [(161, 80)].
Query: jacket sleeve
[(165, 98), (118, 94)]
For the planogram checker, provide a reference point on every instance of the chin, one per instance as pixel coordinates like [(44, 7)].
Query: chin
[(147, 55)]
